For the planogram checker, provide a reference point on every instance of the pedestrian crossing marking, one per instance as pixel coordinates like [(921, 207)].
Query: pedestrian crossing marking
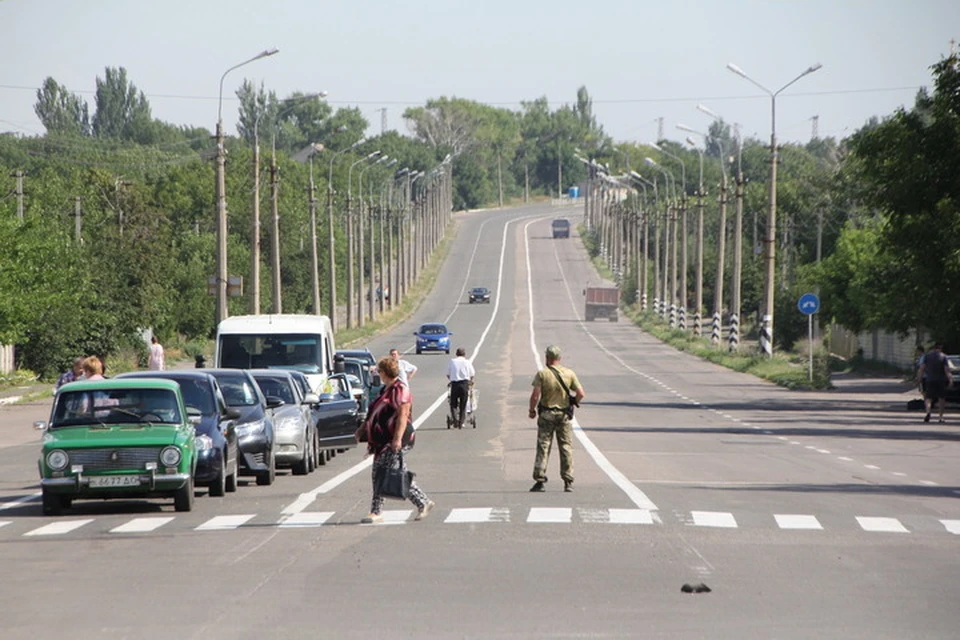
[(396, 516), (224, 523), (550, 514), (4, 523), (882, 525), (953, 526), (306, 519), (141, 525), (475, 514), (714, 519), (58, 528), (795, 521)]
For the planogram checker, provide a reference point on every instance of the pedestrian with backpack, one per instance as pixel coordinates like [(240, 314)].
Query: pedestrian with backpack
[(556, 391)]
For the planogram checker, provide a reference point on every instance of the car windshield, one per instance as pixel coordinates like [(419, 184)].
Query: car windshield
[(278, 388), (238, 391), (288, 351), (365, 356), (115, 406), (433, 329), (480, 290)]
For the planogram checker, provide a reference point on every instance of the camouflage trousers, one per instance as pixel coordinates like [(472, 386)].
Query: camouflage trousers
[(548, 424)]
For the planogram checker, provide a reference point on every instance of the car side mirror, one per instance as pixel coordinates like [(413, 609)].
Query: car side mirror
[(194, 420), (273, 402), (232, 413), (311, 398), (40, 425), (375, 380), (327, 397), (414, 333)]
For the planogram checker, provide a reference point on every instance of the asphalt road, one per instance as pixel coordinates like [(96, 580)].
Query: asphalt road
[(808, 515)]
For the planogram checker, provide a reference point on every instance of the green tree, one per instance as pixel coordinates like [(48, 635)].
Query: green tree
[(61, 111), (122, 110)]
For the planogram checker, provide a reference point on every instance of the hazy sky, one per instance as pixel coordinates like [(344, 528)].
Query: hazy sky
[(639, 60)]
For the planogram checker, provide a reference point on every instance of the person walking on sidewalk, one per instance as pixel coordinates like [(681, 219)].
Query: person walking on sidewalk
[(388, 420), (407, 368), (934, 375), (460, 373), (556, 390)]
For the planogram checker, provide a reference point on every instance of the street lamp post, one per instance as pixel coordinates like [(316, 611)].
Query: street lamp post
[(331, 248), (221, 196), (682, 311), (769, 248), (698, 284), (669, 278), (360, 245), (734, 337)]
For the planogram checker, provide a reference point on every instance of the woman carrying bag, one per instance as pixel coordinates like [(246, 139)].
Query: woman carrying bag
[(387, 431)]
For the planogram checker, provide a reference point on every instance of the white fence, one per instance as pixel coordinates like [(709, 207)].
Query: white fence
[(878, 345)]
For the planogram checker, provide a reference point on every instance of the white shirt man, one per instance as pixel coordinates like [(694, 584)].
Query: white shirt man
[(407, 369), (460, 373)]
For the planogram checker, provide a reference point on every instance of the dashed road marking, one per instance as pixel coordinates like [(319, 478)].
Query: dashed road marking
[(881, 525), (550, 514), (59, 528), (304, 519), (795, 521), (714, 519), (953, 526), (224, 523), (141, 525)]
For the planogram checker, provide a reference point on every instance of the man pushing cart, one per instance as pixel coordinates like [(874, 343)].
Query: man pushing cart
[(460, 373)]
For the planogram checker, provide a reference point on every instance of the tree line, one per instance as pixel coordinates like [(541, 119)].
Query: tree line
[(108, 228)]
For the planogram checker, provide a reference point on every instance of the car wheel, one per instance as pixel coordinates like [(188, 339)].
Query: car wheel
[(447, 351), (266, 478), (418, 350), (231, 482), (52, 504), (302, 466), (183, 498), (218, 488)]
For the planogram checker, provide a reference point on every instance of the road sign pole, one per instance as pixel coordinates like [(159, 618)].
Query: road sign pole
[(810, 342)]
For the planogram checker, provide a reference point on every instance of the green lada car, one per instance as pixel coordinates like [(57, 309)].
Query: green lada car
[(118, 439)]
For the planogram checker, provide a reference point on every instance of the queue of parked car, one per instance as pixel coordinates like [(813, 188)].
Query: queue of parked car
[(162, 434)]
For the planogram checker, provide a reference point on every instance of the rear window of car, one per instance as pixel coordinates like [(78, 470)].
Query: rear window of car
[(238, 391), (277, 388)]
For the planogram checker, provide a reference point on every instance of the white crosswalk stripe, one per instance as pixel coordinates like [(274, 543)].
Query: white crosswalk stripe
[(714, 519), (306, 519), (223, 523), (4, 523), (881, 525), (141, 525), (58, 528), (478, 514), (793, 521), (550, 514), (953, 526)]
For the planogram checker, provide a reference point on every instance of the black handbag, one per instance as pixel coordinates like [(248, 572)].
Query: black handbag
[(571, 396), (393, 481)]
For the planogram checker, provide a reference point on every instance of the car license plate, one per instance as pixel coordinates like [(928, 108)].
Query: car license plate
[(114, 481)]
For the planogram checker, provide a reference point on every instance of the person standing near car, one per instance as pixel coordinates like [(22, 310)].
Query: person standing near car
[(934, 375), (556, 390), (460, 373), (388, 420), (74, 373), (407, 368)]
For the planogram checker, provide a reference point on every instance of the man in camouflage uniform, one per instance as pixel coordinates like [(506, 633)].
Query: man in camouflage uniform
[(550, 405)]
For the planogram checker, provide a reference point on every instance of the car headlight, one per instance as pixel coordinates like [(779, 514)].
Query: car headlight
[(250, 428), (203, 442), (170, 456), (58, 460)]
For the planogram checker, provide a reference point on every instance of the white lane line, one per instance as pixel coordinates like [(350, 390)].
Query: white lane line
[(871, 466), (953, 526), (823, 450), (306, 499), (550, 514), (306, 519), (845, 458), (141, 525), (794, 442), (795, 521), (929, 483), (4, 523), (58, 528), (899, 474), (224, 523), (882, 525), (20, 501), (714, 519), (638, 497), (477, 514)]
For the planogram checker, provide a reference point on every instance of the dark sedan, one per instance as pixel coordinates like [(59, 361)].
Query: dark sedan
[(254, 426), (480, 294), (217, 446)]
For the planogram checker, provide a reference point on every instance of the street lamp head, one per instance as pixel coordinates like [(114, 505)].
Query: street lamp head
[(691, 141), (391, 163), (654, 145), (266, 52), (651, 162), (636, 175), (373, 155), (707, 111), (684, 127), (737, 70), (813, 68)]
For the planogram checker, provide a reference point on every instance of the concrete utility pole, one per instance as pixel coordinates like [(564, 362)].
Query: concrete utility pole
[(255, 228), (18, 174), (275, 230), (314, 259), (77, 221)]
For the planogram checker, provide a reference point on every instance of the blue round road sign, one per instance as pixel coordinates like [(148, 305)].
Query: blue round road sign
[(808, 303)]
